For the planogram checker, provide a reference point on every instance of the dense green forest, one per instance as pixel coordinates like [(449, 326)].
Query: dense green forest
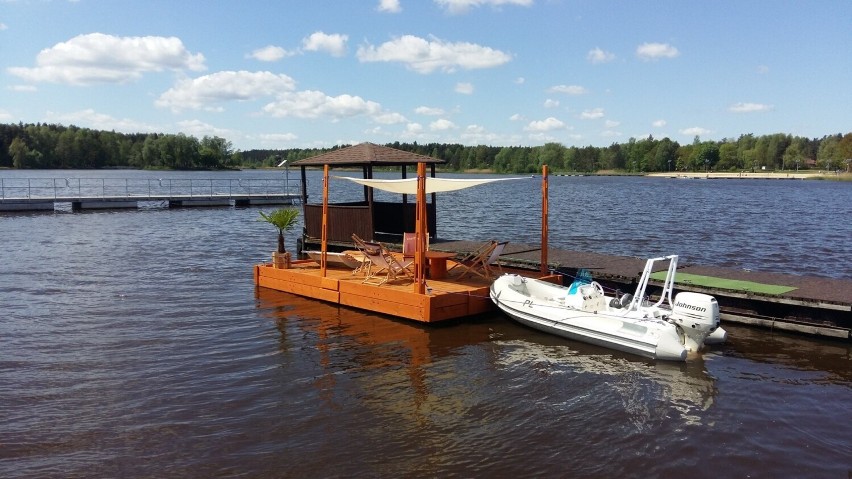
[(55, 146)]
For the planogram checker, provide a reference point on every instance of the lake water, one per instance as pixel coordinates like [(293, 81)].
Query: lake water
[(134, 344)]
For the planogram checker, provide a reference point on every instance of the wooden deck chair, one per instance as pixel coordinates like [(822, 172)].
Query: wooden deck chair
[(409, 242), (383, 265), (482, 264), (467, 260), (361, 246)]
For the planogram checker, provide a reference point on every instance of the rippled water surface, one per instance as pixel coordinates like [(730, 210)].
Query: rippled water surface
[(134, 344)]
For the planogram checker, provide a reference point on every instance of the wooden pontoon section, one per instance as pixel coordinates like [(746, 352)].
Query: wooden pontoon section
[(451, 298)]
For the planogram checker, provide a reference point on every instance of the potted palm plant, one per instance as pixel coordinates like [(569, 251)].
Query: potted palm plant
[(284, 219)]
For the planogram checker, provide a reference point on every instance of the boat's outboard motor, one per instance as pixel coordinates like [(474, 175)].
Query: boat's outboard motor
[(697, 315)]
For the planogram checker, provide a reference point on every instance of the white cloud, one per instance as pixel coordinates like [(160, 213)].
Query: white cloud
[(426, 110), (268, 139), (548, 124), (655, 51), (426, 56), (464, 88), (442, 125), (695, 131), (462, 6), (5, 116), (200, 129), (389, 118), (592, 114), (334, 44), (541, 138), (659, 123), (568, 89), (99, 58), (518, 117), (596, 55), (3, 26), (478, 135), (749, 107), (89, 118), (23, 88), (270, 53), (316, 104), (550, 103), (611, 123), (390, 6), (520, 80), (207, 91), (414, 128)]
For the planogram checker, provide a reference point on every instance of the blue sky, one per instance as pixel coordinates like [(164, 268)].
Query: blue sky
[(298, 74)]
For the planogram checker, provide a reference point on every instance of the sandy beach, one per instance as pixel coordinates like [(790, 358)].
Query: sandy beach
[(749, 175)]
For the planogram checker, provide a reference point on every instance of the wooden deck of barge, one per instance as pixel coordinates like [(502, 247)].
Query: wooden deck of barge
[(450, 298)]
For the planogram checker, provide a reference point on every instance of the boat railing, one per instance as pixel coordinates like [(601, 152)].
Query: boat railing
[(668, 284)]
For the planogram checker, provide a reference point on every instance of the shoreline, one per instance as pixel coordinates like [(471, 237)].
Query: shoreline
[(749, 175)]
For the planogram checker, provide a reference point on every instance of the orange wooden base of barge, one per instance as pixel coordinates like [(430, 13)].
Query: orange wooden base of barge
[(451, 298)]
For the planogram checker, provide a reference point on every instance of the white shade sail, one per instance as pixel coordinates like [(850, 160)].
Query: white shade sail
[(408, 186)]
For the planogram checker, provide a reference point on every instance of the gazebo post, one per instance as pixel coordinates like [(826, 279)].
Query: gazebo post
[(420, 231), (324, 239), (434, 203), (404, 176), (544, 206)]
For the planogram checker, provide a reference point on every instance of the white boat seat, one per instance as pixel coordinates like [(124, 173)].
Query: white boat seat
[(586, 297)]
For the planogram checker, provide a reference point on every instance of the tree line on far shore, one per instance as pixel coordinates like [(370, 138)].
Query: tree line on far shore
[(50, 146)]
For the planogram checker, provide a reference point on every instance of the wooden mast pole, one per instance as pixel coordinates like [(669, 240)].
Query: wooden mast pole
[(420, 231), (324, 247), (544, 206)]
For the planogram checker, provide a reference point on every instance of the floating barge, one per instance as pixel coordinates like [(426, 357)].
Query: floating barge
[(444, 299), (806, 305), (441, 298), (816, 306)]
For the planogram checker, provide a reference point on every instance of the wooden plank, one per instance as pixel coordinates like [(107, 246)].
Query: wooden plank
[(384, 306), (330, 283), (300, 289)]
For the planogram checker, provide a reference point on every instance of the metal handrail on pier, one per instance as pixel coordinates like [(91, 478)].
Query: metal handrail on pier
[(145, 188)]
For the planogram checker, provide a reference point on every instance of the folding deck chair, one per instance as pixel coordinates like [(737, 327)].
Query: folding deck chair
[(463, 262), (409, 241), (382, 266), (482, 260)]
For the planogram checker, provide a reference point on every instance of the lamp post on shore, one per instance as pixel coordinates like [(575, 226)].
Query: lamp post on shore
[(286, 175)]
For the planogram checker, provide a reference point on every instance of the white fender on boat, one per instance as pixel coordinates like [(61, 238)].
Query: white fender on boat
[(670, 348)]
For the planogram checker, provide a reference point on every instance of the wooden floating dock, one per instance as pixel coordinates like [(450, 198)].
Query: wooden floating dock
[(810, 305), (817, 306), (119, 202), (445, 299)]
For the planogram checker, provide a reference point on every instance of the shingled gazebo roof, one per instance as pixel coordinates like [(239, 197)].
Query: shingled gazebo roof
[(367, 154)]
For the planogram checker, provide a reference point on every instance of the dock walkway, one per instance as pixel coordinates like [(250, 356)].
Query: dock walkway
[(804, 304), (30, 194)]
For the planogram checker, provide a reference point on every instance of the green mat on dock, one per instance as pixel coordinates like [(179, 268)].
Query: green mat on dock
[(724, 283)]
